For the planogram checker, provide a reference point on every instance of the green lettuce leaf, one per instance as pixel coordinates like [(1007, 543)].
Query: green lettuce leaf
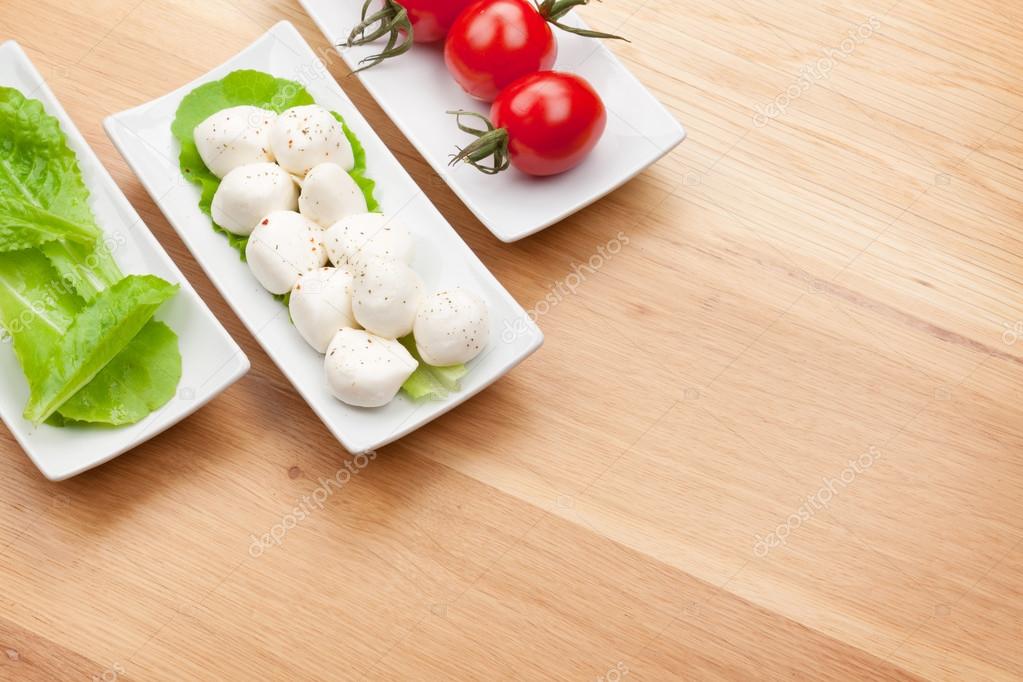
[(24, 225), (41, 183), (253, 88), (37, 166), (44, 204), (96, 336), (87, 269), (36, 308), (429, 382), (146, 374)]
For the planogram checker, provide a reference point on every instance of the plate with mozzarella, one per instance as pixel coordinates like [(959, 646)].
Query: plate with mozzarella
[(342, 269)]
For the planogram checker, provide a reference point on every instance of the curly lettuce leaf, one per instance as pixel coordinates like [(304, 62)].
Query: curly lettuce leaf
[(37, 167), (53, 262), (96, 336), (24, 225), (255, 88), (146, 374), (43, 198), (35, 308), (429, 382), (88, 269)]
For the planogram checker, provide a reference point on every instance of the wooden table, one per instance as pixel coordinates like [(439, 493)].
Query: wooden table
[(778, 434)]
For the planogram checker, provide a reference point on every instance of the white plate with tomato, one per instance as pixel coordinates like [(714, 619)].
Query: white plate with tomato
[(556, 111)]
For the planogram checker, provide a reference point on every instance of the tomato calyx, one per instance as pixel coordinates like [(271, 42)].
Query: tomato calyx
[(491, 144), (554, 10), (392, 21)]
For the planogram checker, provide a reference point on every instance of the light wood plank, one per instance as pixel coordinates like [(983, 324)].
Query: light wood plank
[(840, 282)]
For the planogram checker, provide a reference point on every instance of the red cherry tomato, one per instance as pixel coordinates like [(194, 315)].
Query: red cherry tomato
[(431, 19), (494, 42), (544, 123)]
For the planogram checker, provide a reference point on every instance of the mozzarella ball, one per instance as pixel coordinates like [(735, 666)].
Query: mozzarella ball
[(365, 370), (451, 327), (284, 246), (321, 304), (234, 137), (368, 235), (248, 193), (386, 297), (303, 137), (330, 194)]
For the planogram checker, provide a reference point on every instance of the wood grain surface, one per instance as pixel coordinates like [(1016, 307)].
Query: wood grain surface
[(777, 435)]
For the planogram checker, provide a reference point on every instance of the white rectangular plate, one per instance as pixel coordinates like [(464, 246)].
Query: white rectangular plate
[(416, 90), (442, 259), (211, 360)]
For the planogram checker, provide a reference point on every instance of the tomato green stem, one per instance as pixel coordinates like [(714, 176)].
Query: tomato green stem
[(491, 143), (391, 21), (554, 10)]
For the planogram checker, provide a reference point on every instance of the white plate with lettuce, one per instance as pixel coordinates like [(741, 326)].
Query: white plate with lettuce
[(277, 72), (105, 344)]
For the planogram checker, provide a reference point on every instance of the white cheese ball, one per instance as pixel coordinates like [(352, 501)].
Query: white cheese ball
[(284, 246), (386, 297), (249, 193), (306, 136), (321, 305), (368, 235), (366, 370), (234, 137), (330, 194), (451, 327)]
